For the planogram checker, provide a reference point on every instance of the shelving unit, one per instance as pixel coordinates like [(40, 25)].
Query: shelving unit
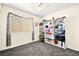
[(59, 31), (48, 29), (53, 32), (41, 32)]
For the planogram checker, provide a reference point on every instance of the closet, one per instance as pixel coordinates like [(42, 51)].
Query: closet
[(53, 31)]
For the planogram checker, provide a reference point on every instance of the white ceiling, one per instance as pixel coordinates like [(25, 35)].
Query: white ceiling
[(47, 7)]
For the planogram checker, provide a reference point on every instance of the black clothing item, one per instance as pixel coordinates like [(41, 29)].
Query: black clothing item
[(60, 38)]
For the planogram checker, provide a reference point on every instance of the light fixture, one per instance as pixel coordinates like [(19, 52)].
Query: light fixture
[(40, 6)]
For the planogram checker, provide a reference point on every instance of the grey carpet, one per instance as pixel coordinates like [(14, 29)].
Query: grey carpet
[(38, 49)]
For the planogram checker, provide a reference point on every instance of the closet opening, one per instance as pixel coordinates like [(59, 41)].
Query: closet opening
[(52, 31)]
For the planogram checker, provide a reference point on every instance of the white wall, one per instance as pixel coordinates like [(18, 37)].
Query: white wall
[(72, 25), (17, 38), (0, 6)]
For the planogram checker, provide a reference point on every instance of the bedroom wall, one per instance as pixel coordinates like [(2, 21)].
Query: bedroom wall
[(72, 22), (17, 38), (0, 6)]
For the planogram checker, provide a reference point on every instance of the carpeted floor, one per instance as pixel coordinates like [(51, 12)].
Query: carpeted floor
[(38, 49)]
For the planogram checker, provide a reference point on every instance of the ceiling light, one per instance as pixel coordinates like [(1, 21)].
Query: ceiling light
[(40, 6)]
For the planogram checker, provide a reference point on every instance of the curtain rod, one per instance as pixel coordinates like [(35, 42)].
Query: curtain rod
[(18, 15)]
